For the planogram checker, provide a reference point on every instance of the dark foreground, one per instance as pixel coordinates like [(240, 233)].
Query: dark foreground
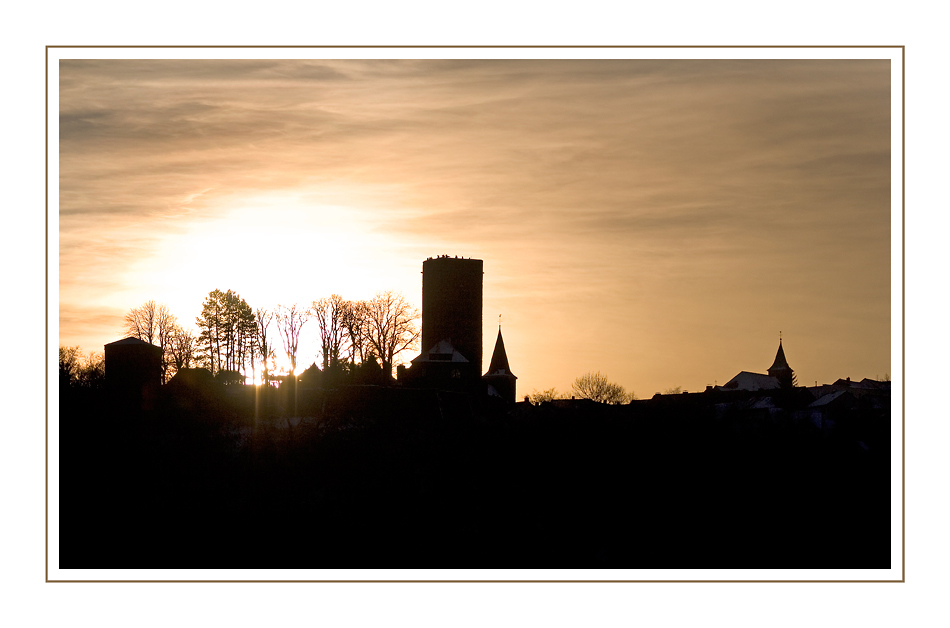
[(388, 480)]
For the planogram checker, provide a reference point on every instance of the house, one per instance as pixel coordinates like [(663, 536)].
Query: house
[(780, 375), (442, 366), (133, 374), (751, 381)]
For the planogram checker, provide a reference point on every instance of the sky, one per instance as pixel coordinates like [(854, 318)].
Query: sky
[(659, 221)]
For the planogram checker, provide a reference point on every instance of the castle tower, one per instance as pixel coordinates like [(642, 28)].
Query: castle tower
[(499, 377), (452, 306), (780, 369)]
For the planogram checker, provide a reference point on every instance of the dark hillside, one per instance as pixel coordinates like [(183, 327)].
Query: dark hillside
[(418, 479)]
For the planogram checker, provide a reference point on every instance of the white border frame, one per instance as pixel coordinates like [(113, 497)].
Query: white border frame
[(896, 56)]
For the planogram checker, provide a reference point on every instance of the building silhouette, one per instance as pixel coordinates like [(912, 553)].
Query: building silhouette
[(451, 357), (452, 306), (780, 375), (780, 369), (133, 374), (499, 379)]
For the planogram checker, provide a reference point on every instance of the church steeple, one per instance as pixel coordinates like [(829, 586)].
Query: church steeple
[(499, 379), (780, 369), (499, 358)]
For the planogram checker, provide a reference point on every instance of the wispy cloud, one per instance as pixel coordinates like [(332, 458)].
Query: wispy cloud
[(715, 191)]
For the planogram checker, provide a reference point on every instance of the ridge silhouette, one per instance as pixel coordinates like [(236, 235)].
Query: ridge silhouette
[(347, 467)]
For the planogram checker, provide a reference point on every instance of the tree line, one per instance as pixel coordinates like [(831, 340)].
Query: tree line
[(592, 385), (155, 324), (235, 340), (81, 371)]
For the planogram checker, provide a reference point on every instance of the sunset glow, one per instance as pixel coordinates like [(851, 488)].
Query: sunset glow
[(657, 220)]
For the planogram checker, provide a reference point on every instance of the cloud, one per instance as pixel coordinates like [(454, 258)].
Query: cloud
[(90, 327), (699, 181)]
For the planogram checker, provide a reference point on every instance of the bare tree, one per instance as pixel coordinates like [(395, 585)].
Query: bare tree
[(153, 323), (290, 319), (596, 387), (70, 359), (392, 326), (356, 324), (549, 394), (92, 370), (181, 348), (264, 345), (140, 322), (81, 371), (329, 314)]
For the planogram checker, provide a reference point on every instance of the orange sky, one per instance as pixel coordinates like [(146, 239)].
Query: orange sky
[(659, 221)]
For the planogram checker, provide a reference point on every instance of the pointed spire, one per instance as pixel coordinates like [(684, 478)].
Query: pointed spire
[(499, 358), (780, 369), (780, 361)]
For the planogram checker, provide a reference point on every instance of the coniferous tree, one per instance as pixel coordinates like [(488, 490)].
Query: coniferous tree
[(228, 331), (209, 324)]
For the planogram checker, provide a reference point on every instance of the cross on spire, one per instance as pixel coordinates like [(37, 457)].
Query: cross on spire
[(499, 321)]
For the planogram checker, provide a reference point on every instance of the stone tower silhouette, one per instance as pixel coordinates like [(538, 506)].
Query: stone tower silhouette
[(452, 305)]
